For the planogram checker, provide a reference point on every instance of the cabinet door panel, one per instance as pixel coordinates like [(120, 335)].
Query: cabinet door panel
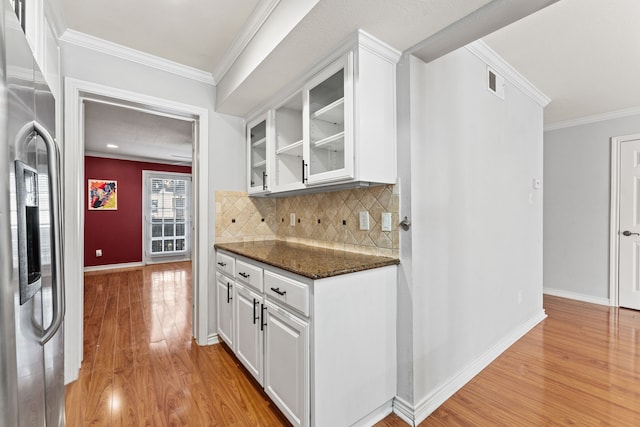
[(286, 379), (328, 120), (249, 337), (258, 149), (224, 289)]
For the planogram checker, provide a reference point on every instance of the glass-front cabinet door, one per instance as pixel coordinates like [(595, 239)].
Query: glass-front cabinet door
[(258, 142), (288, 164), (328, 122)]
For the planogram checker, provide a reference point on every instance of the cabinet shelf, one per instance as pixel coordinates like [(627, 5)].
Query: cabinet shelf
[(259, 142), (333, 113), (333, 142), (294, 149), (259, 164)]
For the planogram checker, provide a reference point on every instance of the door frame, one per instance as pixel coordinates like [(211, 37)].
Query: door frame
[(75, 92), (614, 222)]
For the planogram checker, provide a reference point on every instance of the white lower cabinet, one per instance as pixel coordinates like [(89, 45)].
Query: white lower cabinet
[(323, 350), (249, 330), (286, 363), (224, 293)]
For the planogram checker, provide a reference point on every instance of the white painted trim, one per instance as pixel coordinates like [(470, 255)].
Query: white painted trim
[(136, 158), (213, 339), (253, 24), (404, 410), (376, 415), (73, 155), (575, 296), (377, 47), (418, 413), (619, 114), (614, 216), (109, 48), (502, 67), (113, 266)]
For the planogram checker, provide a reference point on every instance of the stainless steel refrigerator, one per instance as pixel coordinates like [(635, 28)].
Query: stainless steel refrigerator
[(31, 277)]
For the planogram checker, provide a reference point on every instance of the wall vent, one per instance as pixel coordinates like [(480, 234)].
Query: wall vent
[(495, 83)]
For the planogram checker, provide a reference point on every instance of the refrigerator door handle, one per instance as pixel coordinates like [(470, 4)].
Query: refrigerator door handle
[(53, 158)]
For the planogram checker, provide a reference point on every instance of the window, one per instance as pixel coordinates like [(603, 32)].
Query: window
[(168, 216)]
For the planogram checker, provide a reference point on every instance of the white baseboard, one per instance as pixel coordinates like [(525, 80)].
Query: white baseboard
[(375, 416), (414, 415), (213, 339), (404, 410), (113, 266), (575, 296)]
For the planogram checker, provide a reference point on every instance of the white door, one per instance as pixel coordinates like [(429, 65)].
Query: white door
[(286, 364), (224, 287), (629, 238), (249, 333)]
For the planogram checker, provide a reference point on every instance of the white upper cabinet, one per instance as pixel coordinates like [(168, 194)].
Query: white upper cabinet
[(258, 149), (328, 148), (337, 128)]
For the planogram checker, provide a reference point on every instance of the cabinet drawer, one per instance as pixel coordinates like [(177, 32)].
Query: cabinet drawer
[(249, 274), (225, 264), (288, 291)]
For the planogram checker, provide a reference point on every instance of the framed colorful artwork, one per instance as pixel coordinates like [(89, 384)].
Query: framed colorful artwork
[(103, 195)]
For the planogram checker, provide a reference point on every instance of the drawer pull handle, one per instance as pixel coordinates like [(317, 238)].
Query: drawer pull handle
[(222, 264), (255, 304), (279, 292), (245, 275)]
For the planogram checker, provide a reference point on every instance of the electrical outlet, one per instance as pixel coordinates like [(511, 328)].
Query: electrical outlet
[(364, 220), (98, 252), (292, 219)]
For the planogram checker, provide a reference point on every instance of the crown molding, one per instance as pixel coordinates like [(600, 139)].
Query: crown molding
[(619, 114), (502, 67), (258, 17), (100, 45)]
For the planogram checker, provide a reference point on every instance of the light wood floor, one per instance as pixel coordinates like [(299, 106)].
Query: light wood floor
[(581, 366)]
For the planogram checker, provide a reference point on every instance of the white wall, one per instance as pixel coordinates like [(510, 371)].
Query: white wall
[(577, 169), (472, 261), (226, 133)]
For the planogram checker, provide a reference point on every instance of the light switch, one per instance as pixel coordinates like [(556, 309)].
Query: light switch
[(537, 183), (364, 220), (292, 219), (386, 221)]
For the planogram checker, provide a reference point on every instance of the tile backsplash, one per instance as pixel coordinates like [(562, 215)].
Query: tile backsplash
[(322, 219)]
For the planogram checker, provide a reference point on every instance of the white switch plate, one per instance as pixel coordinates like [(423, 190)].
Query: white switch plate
[(386, 221), (292, 219), (98, 252), (364, 220)]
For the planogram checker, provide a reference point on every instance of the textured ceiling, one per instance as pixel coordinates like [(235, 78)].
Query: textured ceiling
[(583, 54), (138, 135)]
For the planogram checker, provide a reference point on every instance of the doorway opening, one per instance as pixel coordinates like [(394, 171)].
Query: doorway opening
[(77, 92)]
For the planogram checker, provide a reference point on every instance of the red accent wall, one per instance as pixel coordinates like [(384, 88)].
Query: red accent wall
[(118, 233)]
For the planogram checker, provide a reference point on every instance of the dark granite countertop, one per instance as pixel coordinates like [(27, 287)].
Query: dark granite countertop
[(308, 261)]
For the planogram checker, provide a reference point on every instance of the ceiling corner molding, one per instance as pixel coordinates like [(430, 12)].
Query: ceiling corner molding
[(255, 21), (90, 42), (378, 47), (490, 57), (627, 112)]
